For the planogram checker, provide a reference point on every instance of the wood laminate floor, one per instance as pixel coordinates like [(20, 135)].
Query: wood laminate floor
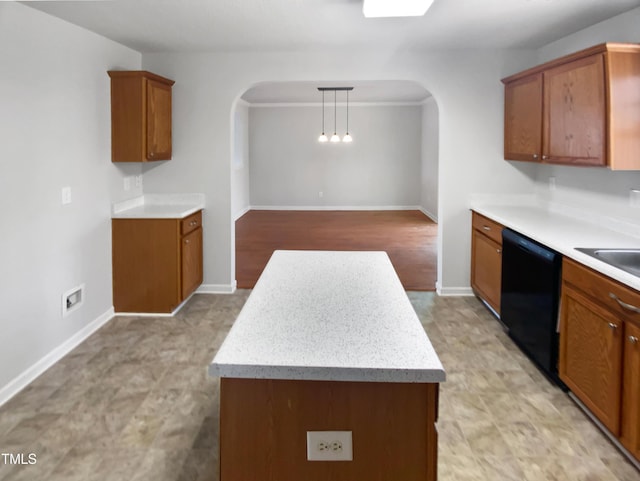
[(134, 403), (408, 237)]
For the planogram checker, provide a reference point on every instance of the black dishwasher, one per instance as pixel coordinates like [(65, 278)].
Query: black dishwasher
[(530, 297)]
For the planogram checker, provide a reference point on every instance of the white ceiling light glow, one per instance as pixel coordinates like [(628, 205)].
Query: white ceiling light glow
[(395, 8)]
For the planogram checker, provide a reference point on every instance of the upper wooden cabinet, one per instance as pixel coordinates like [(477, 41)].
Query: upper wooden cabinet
[(523, 118), (582, 109), (140, 116)]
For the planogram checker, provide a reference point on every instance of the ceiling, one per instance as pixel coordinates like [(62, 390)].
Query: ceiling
[(330, 25), (321, 25), (390, 91)]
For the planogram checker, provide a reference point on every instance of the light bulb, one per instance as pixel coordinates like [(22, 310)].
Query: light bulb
[(323, 138), (335, 138), (347, 138)]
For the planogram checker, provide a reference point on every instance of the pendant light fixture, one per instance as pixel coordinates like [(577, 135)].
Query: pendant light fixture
[(347, 138), (323, 137), (335, 137)]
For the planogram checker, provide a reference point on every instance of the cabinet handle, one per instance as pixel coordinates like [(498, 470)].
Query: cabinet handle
[(633, 339), (498, 251), (193, 222), (186, 241), (486, 227), (613, 326), (544, 157), (624, 305), (535, 156)]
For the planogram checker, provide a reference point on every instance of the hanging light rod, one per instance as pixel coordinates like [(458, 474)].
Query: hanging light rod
[(325, 89)]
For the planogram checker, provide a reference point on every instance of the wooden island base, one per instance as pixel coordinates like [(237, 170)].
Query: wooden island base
[(264, 423)]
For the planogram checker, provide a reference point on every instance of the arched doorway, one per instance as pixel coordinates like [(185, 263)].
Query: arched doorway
[(390, 168)]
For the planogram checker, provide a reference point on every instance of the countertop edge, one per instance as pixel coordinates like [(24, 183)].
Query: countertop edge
[(130, 214), (318, 373), (159, 206)]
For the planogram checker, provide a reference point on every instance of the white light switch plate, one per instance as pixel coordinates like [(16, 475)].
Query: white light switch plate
[(329, 446), (66, 195)]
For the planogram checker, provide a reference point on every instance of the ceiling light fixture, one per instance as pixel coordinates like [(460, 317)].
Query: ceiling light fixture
[(335, 137), (395, 8), (323, 137)]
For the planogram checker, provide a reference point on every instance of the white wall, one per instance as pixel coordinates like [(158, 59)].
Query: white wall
[(593, 190), (466, 87), (55, 130), (379, 169), (240, 165), (429, 171)]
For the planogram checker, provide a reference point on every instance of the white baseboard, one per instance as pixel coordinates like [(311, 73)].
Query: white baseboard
[(335, 207), (453, 291), (431, 216), (217, 288), (21, 381), (241, 213)]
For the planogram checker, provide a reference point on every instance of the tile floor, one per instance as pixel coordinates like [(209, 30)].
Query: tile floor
[(133, 402)]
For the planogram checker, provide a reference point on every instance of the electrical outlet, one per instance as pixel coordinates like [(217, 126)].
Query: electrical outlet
[(320, 194), (138, 181), (329, 446), (552, 184), (127, 184), (634, 198)]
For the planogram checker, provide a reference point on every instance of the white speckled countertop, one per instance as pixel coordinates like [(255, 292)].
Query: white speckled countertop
[(327, 315), (563, 233), (158, 206)]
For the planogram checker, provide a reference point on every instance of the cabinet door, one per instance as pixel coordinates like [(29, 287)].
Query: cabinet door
[(523, 119), (145, 265), (158, 120), (575, 113), (191, 262), (631, 390), (591, 356), (486, 268)]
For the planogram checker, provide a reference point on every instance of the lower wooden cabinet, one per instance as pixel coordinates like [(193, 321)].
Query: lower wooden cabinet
[(191, 266), (591, 355), (157, 263), (486, 259), (631, 390), (600, 351)]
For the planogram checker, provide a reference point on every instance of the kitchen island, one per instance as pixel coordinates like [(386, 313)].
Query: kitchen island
[(328, 341)]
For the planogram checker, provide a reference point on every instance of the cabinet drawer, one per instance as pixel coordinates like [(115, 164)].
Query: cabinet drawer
[(616, 297), (191, 223), (490, 228)]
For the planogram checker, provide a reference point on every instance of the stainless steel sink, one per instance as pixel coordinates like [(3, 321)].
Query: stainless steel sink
[(626, 259)]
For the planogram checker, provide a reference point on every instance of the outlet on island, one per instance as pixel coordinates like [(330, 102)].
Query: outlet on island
[(329, 446)]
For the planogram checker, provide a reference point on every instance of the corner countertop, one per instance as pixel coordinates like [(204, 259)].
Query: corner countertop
[(563, 232), (332, 316), (158, 206)]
